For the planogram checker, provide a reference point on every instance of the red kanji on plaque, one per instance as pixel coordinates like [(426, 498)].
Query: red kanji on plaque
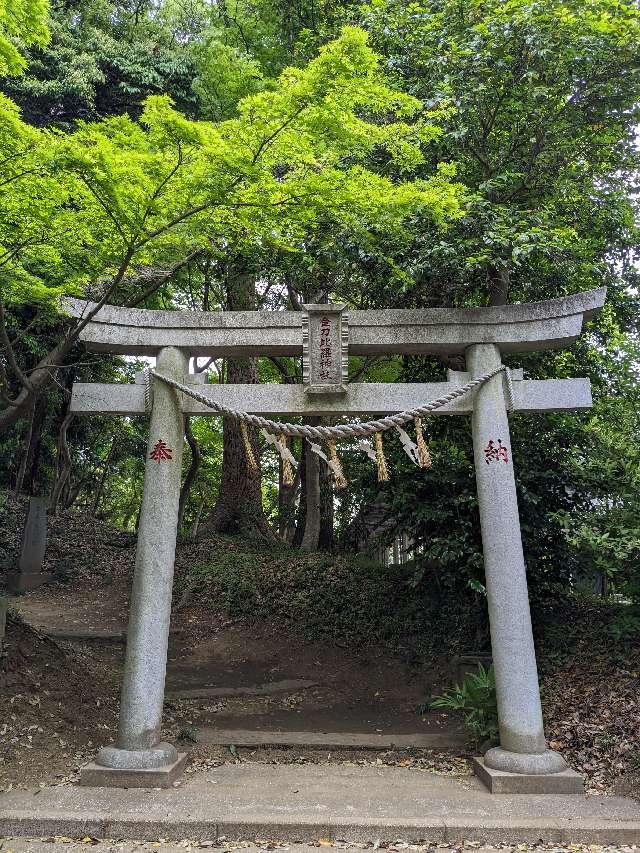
[(160, 451), (496, 452)]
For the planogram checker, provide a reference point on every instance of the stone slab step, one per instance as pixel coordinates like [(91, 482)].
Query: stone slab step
[(90, 634), (303, 803), (287, 685), (101, 635), (331, 740)]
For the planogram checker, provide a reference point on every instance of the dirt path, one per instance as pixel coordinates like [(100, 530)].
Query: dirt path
[(343, 691), (238, 665), (346, 692)]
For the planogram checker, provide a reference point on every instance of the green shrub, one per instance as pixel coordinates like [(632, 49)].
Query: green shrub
[(346, 598), (476, 698), (625, 627), (233, 578)]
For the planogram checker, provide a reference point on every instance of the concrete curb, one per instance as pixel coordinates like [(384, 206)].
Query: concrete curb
[(300, 831), (302, 803)]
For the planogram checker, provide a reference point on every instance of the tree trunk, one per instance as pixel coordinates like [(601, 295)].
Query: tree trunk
[(103, 478), (239, 504), (62, 483), (312, 516), (286, 506), (238, 508), (71, 493), (40, 378), (30, 482), (499, 283), (63, 464), (301, 514), (22, 468), (196, 457), (325, 538), (196, 521)]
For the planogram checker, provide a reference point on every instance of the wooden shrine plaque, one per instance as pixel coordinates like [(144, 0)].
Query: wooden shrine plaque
[(325, 349)]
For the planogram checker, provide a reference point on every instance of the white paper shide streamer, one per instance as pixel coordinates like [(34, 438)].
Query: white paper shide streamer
[(409, 446), (284, 451), (367, 448)]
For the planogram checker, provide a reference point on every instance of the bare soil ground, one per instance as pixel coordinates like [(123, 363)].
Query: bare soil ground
[(60, 696), (59, 701), (363, 691), (56, 704)]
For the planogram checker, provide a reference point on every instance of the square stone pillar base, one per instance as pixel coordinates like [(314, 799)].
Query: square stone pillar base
[(498, 782), (94, 775)]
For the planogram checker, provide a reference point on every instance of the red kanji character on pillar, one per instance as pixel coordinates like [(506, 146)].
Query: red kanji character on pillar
[(160, 451), (496, 452), (502, 453)]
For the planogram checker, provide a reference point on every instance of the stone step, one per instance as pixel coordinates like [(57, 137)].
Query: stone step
[(90, 634), (101, 635), (287, 685), (331, 740)]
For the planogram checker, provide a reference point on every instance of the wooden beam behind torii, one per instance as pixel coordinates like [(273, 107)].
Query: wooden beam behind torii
[(552, 324)]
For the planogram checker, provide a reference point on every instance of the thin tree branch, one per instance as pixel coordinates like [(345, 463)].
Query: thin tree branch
[(163, 183), (163, 277), (269, 139), (8, 349), (105, 207)]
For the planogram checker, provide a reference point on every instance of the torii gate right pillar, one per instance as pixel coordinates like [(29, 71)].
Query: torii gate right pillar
[(523, 750)]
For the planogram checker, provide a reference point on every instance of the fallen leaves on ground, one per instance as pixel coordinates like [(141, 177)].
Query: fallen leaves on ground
[(591, 708)]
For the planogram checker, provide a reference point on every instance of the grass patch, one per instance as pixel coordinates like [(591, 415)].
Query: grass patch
[(346, 598)]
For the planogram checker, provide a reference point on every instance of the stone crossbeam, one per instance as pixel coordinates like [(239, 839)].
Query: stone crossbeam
[(360, 399), (552, 324)]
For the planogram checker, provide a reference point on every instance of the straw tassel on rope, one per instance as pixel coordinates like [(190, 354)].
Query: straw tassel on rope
[(287, 467), (252, 465), (339, 480), (383, 471), (424, 457)]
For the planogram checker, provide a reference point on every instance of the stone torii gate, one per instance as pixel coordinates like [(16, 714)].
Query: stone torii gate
[(325, 336)]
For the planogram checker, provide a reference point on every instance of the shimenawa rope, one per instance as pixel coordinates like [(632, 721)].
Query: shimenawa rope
[(339, 431)]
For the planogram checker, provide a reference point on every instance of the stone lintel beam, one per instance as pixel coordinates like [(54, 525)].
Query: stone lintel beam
[(360, 399), (552, 324)]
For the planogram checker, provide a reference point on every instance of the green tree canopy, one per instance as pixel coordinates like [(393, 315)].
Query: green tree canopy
[(22, 23), (96, 209)]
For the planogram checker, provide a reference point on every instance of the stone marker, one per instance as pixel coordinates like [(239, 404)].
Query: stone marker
[(34, 545), (325, 342)]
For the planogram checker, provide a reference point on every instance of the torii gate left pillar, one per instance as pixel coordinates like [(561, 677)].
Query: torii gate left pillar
[(522, 763), (139, 758)]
